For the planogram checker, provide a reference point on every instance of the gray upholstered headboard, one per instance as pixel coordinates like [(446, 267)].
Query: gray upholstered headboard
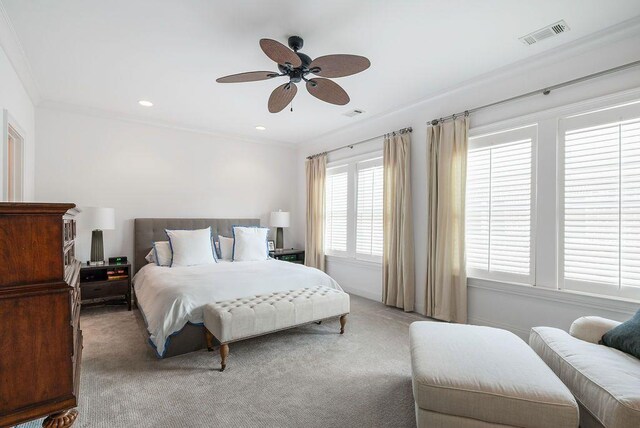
[(148, 230)]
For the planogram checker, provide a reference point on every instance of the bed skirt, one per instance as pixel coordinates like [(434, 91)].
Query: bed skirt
[(190, 338)]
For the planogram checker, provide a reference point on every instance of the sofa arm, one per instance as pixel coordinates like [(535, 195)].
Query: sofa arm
[(591, 329)]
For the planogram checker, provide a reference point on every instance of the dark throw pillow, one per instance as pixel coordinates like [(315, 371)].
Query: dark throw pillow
[(625, 337)]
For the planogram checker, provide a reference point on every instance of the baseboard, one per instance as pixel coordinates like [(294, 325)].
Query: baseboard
[(367, 294)]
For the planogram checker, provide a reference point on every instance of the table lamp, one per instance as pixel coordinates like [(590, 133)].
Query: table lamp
[(99, 219), (279, 219)]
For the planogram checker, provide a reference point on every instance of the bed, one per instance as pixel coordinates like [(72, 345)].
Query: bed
[(171, 300)]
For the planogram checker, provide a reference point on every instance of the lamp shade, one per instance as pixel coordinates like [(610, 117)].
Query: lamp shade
[(100, 218), (280, 219)]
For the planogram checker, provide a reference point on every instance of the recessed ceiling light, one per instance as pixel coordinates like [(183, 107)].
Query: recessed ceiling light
[(145, 103), (260, 128)]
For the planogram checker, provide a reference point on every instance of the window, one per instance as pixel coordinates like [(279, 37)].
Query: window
[(500, 205), (353, 217), (600, 202), (575, 224)]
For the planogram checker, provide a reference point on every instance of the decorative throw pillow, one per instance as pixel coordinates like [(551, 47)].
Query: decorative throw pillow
[(625, 337), (162, 253), (191, 247), (226, 247), (250, 243)]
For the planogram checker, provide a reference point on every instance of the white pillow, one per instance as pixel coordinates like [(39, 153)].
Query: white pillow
[(226, 247), (250, 243), (162, 253), (591, 329), (191, 247)]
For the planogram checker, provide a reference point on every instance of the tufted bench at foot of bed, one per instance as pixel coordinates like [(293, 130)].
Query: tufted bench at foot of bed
[(239, 319)]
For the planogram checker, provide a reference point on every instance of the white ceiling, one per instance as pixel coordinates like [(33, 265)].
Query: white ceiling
[(108, 55)]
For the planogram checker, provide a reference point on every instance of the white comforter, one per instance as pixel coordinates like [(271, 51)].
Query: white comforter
[(171, 297)]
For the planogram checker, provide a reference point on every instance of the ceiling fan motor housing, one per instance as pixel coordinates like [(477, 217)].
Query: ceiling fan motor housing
[(297, 73), (306, 60)]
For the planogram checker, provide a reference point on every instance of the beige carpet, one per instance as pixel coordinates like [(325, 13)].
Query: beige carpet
[(306, 377)]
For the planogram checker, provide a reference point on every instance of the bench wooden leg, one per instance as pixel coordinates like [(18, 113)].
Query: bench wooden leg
[(343, 321), (224, 351), (209, 337)]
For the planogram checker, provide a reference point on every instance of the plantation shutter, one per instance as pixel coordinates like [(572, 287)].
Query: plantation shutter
[(369, 208), (600, 228), (478, 210), (336, 210), (499, 206)]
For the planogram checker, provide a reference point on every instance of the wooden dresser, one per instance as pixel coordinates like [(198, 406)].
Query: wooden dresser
[(40, 336)]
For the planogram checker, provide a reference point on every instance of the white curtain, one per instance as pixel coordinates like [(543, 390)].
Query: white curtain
[(316, 171), (447, 170), (398, 254)]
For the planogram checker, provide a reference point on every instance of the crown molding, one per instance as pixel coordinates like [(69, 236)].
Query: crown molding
[(621, 31), (107, 114), (12, 47)]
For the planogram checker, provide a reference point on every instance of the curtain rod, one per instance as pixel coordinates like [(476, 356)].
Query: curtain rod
[(543, 91), (351, 146)]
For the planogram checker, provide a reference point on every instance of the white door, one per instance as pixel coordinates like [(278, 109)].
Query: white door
[(15, 165)]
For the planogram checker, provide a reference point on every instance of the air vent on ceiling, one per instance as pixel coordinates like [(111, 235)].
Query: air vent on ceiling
[(354, 112), (545, 33)]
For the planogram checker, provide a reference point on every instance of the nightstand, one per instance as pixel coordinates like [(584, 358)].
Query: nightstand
[(293, 256), (106, 282)]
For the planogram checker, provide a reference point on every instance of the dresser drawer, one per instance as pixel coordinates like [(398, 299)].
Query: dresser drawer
[(104, 289)]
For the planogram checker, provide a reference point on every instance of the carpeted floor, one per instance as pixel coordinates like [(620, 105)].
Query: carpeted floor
[(306, 377)]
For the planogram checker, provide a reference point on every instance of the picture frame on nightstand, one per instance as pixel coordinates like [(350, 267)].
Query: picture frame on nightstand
[(272, 245)]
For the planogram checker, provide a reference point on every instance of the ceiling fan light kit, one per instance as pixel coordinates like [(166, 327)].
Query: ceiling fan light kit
[(296, 66)]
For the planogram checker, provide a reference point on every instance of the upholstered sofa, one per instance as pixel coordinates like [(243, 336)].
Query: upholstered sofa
[(604, 381)]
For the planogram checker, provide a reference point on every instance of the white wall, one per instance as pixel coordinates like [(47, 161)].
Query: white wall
[(15, 99), (494, 306), (150, 171), (357, 276)]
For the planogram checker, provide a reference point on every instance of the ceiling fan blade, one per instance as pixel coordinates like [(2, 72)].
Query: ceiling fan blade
[(282, 96), (251, 76), (339, 65), (280, 53), (328, 91)]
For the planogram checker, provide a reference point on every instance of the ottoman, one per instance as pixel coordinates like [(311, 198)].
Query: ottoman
[(239, 319), (470, 376)]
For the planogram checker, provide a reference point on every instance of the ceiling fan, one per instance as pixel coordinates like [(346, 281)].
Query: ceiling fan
[(296, 66)]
